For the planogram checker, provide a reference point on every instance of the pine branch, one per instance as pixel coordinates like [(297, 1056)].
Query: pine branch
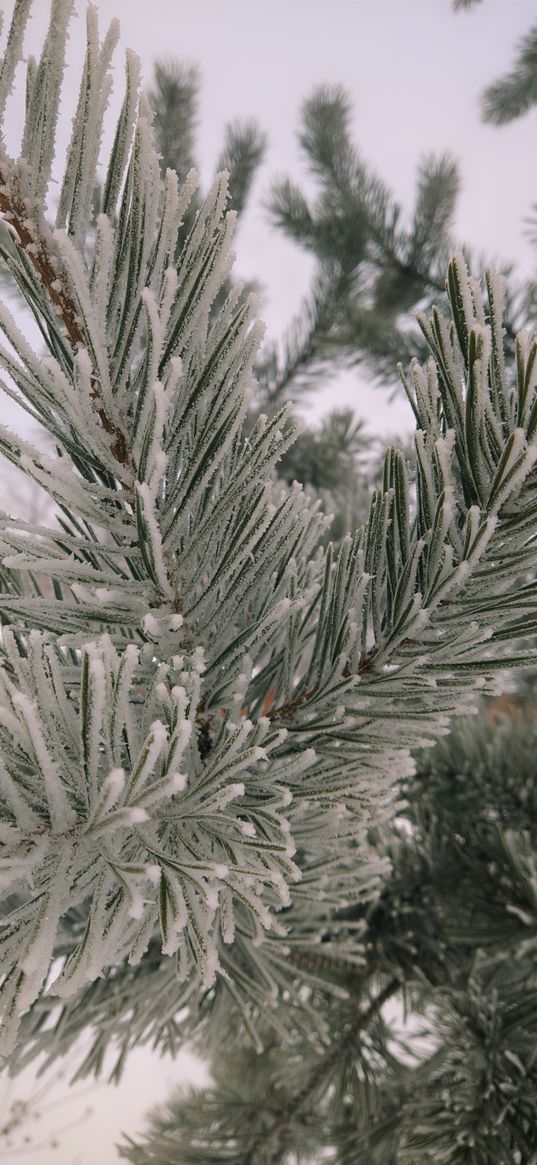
[(243, 151), (226, 1126), (174, 101), (436, 197), (266, 1147), (122, 333), (204, 709), (374, 269), (307, 349), (514, 94)]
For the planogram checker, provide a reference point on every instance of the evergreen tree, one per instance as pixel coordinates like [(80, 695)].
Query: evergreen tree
[(207, 715)]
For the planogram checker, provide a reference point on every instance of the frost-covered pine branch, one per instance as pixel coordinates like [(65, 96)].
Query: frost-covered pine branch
[(205, 710)]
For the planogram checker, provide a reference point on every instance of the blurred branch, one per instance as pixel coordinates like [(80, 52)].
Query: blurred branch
[(244, 148), (516, 92)]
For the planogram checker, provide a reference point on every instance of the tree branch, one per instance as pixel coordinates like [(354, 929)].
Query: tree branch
[(358, 1021)]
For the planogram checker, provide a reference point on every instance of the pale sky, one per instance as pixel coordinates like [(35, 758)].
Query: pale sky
[(414, 71)]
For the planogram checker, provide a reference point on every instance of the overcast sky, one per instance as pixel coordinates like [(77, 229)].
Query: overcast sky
[(414, 71)]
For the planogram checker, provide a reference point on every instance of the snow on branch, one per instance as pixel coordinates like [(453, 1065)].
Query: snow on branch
[(202, 708)]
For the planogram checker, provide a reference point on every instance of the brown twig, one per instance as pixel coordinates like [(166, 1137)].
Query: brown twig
[(204, 724), (287, 711), (27, 240)]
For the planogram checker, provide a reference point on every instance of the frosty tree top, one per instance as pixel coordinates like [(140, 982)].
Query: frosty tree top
[(201, 709)]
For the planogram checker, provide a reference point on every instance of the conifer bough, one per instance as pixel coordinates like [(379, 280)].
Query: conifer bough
[(202, 710)]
